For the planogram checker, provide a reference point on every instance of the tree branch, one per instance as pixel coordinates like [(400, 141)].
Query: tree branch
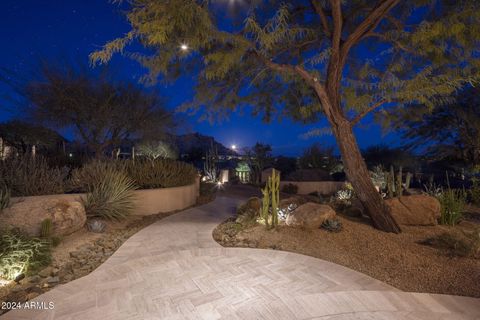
[(368, 25), (337, 24), (323, 17), (395, 42), (362, 114)]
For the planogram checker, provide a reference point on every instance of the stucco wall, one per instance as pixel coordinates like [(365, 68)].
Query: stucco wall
[(148, 202), (322, 187)]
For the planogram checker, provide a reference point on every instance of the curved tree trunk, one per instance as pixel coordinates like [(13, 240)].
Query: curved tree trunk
[(359, 177)]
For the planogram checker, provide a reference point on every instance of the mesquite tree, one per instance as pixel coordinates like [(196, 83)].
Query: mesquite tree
[(339, 59)]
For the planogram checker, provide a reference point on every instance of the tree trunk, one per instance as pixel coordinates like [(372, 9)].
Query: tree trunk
[(359, 177)]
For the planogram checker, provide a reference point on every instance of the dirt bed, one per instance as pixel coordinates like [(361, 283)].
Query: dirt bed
[(397, 259)]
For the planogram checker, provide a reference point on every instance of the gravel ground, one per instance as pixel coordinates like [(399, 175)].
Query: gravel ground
[(397, 259)]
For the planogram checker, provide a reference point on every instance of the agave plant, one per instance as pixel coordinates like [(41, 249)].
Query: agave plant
[(96, 226), (112, 198), (332, 225)]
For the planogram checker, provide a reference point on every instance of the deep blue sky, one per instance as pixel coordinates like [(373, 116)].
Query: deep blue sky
[(33, 29)]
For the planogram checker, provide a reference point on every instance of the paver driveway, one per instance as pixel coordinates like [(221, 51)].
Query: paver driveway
[(173, 269)]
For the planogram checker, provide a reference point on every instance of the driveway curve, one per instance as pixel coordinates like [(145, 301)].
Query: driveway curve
[(173, 269)]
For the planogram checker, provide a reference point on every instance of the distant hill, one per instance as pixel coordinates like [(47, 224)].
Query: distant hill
[(198, 143)]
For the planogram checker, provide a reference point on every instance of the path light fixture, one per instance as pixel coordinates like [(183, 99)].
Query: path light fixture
[(184, 47)]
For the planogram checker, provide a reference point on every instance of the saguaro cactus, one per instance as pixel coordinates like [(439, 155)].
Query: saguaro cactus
[(46, 228), (395, 185)]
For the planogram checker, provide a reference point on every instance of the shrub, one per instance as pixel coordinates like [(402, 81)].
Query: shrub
[(4, 197), (475, 192), (290, 188), (91, 174), (145, 173), (22, 254), (332, 225), (458, 243), (160, 173), (25, 175), (112, 198), (452, 202)]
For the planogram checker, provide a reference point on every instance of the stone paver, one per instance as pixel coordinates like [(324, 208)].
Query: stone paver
[(173, 269)]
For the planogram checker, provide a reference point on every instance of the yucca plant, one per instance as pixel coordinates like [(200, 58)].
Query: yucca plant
[(84, 179), (112, 198)]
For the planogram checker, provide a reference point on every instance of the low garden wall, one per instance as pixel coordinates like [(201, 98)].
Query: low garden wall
[(148, 201), (321, 187)]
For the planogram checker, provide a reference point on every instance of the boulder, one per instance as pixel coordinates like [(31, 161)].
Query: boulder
[(249, 211), (415, 210), (27, 215), (310, 215)]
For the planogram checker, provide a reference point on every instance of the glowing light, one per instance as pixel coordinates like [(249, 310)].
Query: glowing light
[(4, 282), (184, 47), (233, 147), (219, 183)]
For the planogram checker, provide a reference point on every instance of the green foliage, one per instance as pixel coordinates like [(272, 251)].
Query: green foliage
[(145, 173), (318, 157), (112, 198), (22, 254), (25, 175), (46, 228), (290, 188), (271, 200), (452, 202), (160, 173), (332, 225), (4, 197)]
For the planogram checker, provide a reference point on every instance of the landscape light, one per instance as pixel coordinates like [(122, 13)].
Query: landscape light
[(184, 47)]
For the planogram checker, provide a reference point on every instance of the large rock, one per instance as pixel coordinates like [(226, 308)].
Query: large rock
[(249, 211), (310, 215), (28, 213), (415, 210)]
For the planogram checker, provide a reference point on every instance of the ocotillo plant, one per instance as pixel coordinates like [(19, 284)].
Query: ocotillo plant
[(271, 200)]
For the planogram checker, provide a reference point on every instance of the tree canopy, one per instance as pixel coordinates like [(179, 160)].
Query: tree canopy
[(306, 59), (103, 113), (450, 130)]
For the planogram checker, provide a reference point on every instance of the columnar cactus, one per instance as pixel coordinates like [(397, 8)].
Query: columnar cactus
[(271, 200), (46, 228)]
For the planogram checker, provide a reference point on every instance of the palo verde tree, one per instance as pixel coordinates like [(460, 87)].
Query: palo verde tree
[(332, 58)]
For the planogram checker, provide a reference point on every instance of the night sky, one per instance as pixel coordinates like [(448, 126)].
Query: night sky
[(52, 29)]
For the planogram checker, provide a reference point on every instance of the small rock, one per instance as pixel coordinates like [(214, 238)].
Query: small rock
[(34, 279), (19, 277), (36, 289), (45, 285), (45, 272), (53, 280), (32, 295)]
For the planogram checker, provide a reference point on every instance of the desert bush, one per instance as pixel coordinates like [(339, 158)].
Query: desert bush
[(85, 178), (452, 202), (25, 175), (22, 254), (112, 198), (145, 173), (290, 188), (160, 173), (458, 243), (332, 225), (475, 192)]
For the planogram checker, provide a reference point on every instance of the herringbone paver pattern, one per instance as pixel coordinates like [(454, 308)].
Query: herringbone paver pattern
[(174, 270)]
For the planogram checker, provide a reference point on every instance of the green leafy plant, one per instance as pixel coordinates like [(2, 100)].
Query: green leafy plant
[(25, 175), (290, 188), (332, 225), (22, 254), (112, 198), (85, 178), (452, 202)]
